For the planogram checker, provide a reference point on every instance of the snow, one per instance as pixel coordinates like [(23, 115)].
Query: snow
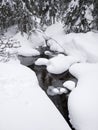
[(21, 97), (41, 61), (60, 63), (83, 46), (57, 64), (54, 29), (73, 4), (82, 102), (36, 38), (56, 34), (86, 45), (11, 31), (69, 84), (88, 13), (52, 91), (23, 105), (26, 48), (26, 51)]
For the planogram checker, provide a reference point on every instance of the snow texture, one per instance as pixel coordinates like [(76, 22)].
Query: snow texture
[(82, 46), (41, 61), (70, 85), (26, 48), (23, 105), (82, 102), (60, 64)]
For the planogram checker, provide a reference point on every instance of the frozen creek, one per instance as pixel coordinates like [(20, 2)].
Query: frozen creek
[(48, 80)]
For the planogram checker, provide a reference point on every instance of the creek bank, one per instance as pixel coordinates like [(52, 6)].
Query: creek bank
[(46, 80)]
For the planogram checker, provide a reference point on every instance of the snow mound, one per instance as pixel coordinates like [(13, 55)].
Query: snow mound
[(37, 39), (83, 100), (41, 61), (54, 29), (26, 48), (27, 51), (83, 46), (60, 63), (23, 105), (69, 84)]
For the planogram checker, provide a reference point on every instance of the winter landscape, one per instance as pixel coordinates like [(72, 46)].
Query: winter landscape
[(48, 65)]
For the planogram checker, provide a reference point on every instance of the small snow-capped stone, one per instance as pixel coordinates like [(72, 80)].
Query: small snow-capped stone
[(2, 46), (55, 90), (63, 90), (41, 61), (69, 84)]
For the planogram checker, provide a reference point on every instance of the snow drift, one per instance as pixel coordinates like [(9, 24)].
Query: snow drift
[(23, 105)]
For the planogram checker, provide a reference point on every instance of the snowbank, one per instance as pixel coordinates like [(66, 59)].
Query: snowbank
[(83, 46), (37, 39), (23, 105), (54, 29), (83, 100)]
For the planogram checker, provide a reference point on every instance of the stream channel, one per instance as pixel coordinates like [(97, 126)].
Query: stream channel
[(46, 80)]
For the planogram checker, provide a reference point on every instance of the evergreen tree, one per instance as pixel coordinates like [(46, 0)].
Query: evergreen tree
[(15, 13), (79, 16), (96, 14)]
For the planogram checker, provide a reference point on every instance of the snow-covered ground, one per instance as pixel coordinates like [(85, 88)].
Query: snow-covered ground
[(23, 105), (21, 96)]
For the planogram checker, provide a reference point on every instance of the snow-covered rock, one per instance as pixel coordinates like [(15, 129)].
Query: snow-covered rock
[(52, 91), (70, 85), (83, 100), (23, 105), (41, 61), (27, 51), (37, 39), (60, 63)]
